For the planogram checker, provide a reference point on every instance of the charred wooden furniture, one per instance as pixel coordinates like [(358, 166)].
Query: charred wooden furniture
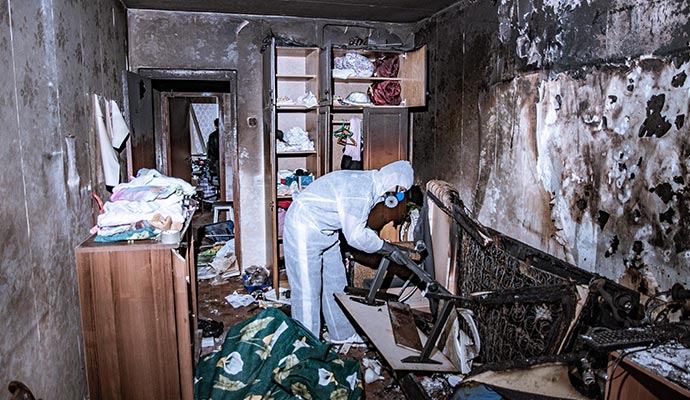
[(630, 381), (529, 307), (138, 312)]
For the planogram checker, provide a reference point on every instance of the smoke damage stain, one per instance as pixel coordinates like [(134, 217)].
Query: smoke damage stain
[(667, 216), (613, 247), (681, 240), (602, 219), (638, 247), (655, 124), (679, 79), (664, 191), (680, 121)]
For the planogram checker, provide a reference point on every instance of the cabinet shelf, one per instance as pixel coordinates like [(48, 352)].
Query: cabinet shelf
[(356, 108), (296, 153), (366, 79), (411, 76), (295, 108), (287, 77)]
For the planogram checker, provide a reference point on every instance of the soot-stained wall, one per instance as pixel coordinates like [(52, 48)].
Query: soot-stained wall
[(562, 123), (186, 40), (53, 55)]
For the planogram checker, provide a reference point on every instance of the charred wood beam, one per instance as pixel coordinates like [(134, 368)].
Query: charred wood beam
[(525, 363), (411, 388)]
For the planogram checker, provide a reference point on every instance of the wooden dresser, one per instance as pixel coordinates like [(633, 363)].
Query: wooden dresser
[(138, 313)]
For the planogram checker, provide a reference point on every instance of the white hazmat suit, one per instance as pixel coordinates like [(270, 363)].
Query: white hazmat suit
[(338, 201)]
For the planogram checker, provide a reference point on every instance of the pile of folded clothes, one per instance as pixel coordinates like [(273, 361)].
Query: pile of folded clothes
[(352, 65), (143, 207)]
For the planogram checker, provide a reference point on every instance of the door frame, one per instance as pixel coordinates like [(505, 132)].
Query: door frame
[(228, 116)]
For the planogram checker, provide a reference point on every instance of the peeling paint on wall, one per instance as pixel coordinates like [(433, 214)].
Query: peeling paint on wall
[(614, 169), (608, 151), (582, 147)]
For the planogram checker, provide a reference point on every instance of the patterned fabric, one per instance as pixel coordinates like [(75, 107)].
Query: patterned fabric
[(271, 356)]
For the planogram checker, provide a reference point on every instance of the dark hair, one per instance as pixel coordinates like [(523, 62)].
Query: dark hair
[(215, 122)]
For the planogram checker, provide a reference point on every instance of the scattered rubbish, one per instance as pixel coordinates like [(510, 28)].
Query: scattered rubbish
[(239, 300), (211, 328), (270, 299), (436, 386), (372, 371), (218, 262), (453, 380), (672, 361), (256, 278)]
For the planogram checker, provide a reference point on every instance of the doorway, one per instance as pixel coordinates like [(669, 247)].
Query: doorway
[(192, 127), (170, 134)]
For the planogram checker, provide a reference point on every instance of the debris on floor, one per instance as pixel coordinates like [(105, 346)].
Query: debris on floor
[(239, 300), (671, 360)]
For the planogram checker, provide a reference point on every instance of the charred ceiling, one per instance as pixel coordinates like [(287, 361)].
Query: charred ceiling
[(362, 10)]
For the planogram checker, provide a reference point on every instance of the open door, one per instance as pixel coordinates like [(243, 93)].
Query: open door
[(269, 101), (141, 148), (228, 147)]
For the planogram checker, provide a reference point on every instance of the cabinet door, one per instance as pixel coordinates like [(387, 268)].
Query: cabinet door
[(269, 101), (385, 136), (413, 75), (182, 321), (325, 76), (385, 140), (129, 322), (326, 144)]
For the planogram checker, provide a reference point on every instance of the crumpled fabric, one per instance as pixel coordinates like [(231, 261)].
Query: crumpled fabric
[(295, 139), (359, 64), (385, 93), (136, 234), (151, 177), (387, 66), (270, 356)]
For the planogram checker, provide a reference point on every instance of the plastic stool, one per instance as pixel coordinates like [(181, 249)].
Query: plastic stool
[(221, 206)]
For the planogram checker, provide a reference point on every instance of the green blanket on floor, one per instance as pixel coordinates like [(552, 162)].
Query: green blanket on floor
[(271, 356)]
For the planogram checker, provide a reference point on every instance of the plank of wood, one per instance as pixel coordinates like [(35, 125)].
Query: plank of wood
[(184, 339), (404, 328), (375, 322)]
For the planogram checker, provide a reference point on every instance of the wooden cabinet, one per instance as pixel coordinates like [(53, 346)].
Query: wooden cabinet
[(384, 138), (291, 109), (138, 312), (289, 74), (411, 76)]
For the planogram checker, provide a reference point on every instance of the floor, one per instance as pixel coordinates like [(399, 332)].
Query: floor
[(213, 306)]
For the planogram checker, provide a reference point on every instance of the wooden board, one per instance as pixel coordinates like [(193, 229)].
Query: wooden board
[(375, 322), (404, 329)]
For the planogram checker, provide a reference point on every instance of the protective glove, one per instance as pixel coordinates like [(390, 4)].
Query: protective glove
[(394, 254)]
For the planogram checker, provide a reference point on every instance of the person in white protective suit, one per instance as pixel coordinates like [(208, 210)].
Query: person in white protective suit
[(338, 201)]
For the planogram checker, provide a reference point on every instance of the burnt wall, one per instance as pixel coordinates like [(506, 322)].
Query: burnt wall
[(53, 55), (562, 124), (187, 40)]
